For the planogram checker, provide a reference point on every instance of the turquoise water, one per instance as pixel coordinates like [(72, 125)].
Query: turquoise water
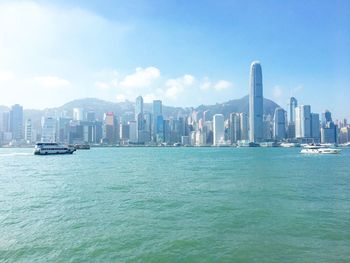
[(175, 205)]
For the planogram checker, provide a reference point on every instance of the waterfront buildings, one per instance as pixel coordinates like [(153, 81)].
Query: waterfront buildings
[(218, 129), (256, 103), (303, 122)]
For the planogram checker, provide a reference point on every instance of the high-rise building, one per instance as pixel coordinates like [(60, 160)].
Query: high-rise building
[(244, 126), (235, 127), (315, 127), (292, 105), (157, 116), (303, 121), (279, 124), (256, 103), (78, 114), (218, 129), (48, 129), (132, 132), (16, 122), (28, 134), (139, 118), (110, 128), (329, 129), (5, 121)]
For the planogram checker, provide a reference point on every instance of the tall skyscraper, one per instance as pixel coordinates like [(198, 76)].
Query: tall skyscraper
[(292, 105), (6, 121), (48, 129), (28, 135), (16, 122), (235, 127), (303, 121), (218, 129), (244, 126), (256, 103), (139, 118), (315, 127), (279, 124), (110, 128), (157, 117)]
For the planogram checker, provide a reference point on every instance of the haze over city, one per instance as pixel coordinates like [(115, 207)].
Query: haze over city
[(182, 53)]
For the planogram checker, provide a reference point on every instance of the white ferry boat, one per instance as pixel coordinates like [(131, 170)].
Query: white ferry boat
[(314, 149), (43, 148)]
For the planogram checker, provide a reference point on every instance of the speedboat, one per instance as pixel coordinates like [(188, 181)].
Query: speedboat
[(314, 149)]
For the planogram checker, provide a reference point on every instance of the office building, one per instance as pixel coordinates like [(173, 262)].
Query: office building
[(16, 122), (218, 129), (256, 103), (279, 124)]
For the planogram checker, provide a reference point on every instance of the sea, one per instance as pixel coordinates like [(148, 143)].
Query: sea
[(175, 204)]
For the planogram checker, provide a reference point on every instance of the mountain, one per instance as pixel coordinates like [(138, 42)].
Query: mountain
[(101, 106), (238, 105)]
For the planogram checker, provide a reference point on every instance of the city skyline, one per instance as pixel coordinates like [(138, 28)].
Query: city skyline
[(96, 49)]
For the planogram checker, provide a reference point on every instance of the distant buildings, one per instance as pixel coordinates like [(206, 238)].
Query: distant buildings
[(256, 103)]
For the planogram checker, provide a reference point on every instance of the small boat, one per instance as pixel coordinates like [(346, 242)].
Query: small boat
[(314, 149), (289, 144), (82, 146), (43, 148)]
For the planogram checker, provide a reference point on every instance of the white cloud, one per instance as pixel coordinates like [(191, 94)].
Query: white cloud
[(222, 85), (7, 75), (120, 97), (143, 77), (277, 92), (148, 98), (51, 82), (102, 85), (174, 87)]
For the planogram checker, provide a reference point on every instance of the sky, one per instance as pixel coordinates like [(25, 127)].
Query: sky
[(185, 53)]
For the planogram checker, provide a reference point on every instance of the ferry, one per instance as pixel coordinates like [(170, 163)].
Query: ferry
[(315, 149), (43, 148)]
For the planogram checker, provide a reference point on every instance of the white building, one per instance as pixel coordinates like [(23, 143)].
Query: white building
[(303, 121), (218, 129), (48, 129), (78, 114)]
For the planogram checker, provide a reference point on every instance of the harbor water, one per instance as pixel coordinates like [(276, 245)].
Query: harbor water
[(175, 205)]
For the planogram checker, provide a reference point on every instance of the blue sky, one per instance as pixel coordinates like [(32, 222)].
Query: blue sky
[(183, 52)]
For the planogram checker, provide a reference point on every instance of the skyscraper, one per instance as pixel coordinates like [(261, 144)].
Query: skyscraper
[(315, 127), (303, 121), (157, 113), (279, 124), (218, 129), (256, 103), (244, 126), (235, 129), (139, 118), (292, 105), (48, 129), (16, 122)]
